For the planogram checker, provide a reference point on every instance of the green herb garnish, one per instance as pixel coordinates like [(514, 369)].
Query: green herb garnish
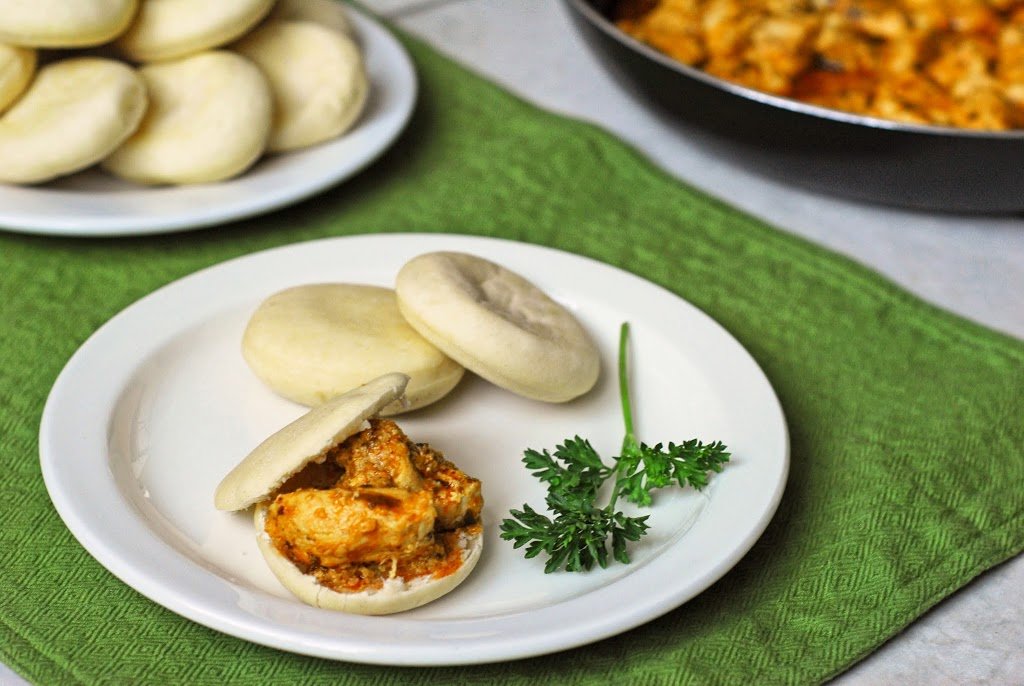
[(576, 535)]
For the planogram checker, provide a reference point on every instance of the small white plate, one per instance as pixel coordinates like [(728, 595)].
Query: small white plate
[(93, 203), (158, 405)]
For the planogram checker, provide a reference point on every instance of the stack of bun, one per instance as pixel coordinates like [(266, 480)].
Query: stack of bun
[(171, 91), (448, 312)]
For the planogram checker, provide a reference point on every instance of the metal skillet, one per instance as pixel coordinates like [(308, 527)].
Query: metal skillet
[(866, 158)]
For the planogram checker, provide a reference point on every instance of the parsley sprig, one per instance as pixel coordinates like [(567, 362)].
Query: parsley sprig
[(575, 536)]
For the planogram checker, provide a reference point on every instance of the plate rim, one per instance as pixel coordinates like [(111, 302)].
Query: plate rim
[(180, 601), (370, 31)]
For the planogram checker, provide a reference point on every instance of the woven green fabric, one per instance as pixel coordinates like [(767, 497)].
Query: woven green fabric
[(905, 421)]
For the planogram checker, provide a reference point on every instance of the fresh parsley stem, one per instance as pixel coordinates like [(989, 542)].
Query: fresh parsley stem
[(629, 441), (627, 410)]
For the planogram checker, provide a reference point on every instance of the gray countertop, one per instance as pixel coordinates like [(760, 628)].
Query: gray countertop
[(971, 265)]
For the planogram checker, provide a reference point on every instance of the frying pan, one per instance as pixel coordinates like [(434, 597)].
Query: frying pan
[(924, 167)]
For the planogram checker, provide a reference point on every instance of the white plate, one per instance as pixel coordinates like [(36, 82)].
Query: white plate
[(158, 405), (93, 203)]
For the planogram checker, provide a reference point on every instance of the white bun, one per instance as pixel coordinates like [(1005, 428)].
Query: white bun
[(329, 13), (312, 343), (73, 114), (496, 323), (64, 23), (209, 119), (396, 595), (317, 77), (305, 440), (17, 67), (169, 29)]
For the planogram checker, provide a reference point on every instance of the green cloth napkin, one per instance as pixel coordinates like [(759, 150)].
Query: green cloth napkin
[(906, 421)]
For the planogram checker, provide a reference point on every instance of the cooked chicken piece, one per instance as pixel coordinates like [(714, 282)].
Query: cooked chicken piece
[(961, 59), (670, 27), (1010, 63), (725, 25), (456, 496), (844, 49), (336, 526), (781, 48), (377, 457), (972, 16), (985, 107)]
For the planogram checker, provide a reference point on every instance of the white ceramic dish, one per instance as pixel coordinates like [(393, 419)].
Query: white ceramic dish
[(93, 203), (158, 405)]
